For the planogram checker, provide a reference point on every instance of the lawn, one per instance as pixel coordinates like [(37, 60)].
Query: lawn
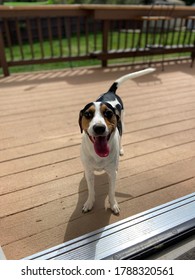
[(81, 46), (26, 3)]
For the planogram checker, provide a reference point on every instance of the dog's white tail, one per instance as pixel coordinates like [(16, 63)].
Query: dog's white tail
[(122, 79), (134, 75)]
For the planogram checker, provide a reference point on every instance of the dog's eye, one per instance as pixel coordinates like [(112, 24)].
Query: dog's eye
[(88, 115), (108, 114)]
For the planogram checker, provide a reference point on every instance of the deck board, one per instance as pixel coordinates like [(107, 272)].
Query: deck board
[(42, 188)]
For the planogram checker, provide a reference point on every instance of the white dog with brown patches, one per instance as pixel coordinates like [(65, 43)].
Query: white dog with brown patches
[(102, 124)]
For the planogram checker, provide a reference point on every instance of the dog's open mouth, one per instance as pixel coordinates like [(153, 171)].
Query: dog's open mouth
[(101, 145)]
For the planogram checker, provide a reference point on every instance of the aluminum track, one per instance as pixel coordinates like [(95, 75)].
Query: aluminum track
[(128, 237)]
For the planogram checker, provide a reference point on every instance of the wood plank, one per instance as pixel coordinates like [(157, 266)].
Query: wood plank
[(136, 95), (63, 168), (37, 205), (133, 128), (88, 223), (42, 188), (74, 139), (53, 156), (50, 126), (29, 108)]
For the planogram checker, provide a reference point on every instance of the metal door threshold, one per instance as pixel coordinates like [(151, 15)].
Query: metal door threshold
[(130, 237)]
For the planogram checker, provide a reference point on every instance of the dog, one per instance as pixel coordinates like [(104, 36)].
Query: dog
[(101, 123)]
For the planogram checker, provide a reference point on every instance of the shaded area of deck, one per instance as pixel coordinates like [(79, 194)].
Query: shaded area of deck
[(42, 187)]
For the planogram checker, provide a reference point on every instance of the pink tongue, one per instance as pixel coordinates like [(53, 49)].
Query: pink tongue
[(101, 146)]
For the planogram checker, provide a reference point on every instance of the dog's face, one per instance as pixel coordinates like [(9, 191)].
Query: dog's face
[(99, 121)]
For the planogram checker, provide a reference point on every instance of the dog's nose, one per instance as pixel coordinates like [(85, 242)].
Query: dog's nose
[(99, 129)]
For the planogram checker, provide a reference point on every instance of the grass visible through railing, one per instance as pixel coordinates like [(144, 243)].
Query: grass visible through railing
[(126, 42), (15, 4)]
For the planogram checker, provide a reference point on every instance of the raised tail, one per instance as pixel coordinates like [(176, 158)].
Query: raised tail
[(122, 79)]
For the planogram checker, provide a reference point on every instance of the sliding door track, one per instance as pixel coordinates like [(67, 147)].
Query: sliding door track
[(130, 238)]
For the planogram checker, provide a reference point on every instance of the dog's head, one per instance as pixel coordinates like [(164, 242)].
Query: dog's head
[(99, 120)]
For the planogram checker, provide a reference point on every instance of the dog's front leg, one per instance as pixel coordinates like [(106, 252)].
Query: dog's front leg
[(111, 195), (89, 175)]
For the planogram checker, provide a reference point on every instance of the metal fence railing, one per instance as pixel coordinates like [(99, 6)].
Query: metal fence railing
[(36, 35)]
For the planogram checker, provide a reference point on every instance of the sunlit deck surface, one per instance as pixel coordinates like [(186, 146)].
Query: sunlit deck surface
[(42, 185)]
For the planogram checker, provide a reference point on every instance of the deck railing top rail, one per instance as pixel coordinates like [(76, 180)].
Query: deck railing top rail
[(98, 11), (65, 33)]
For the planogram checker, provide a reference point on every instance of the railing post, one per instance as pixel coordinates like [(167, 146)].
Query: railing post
[(193, 56), (193, 51), (105, 34), (3, 56)]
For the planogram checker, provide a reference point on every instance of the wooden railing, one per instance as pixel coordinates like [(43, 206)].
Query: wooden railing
[(36, 35)]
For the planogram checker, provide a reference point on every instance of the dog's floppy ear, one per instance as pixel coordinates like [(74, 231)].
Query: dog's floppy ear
[(118, 113), (80, 120), (81, 114)]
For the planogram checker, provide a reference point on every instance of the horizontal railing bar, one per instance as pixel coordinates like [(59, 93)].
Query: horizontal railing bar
[(48, 60), (42, 11), (59, 33), (98, 11), (141, 52)]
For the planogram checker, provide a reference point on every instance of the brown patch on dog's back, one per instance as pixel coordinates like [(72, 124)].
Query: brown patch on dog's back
[(86, 116), (111, 122)]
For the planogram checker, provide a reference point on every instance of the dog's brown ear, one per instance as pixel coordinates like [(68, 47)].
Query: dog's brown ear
[(81, 114), (80, 120)]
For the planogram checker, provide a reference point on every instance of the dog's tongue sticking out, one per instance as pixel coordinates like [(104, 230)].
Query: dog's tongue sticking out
[(101, 146)]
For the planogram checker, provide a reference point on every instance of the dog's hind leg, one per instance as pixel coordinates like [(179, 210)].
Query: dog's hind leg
[(89, 175)]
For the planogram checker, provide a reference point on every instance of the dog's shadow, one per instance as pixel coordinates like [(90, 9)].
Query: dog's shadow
[(99, 217)]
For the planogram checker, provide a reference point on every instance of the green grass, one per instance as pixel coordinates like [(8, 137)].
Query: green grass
[(113, 44), (54, 52), (25, 3)]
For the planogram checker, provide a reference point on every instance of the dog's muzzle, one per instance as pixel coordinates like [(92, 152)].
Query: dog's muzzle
[(100, 140)]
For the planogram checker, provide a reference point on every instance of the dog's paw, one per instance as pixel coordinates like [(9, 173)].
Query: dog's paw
[(87, 206), (121, 153), (115, 208)]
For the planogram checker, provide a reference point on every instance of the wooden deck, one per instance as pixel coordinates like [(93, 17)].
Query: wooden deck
[(42, 188)]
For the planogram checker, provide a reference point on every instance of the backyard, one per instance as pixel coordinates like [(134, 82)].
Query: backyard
[(79, 45), (42, 183), (53, 37)]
